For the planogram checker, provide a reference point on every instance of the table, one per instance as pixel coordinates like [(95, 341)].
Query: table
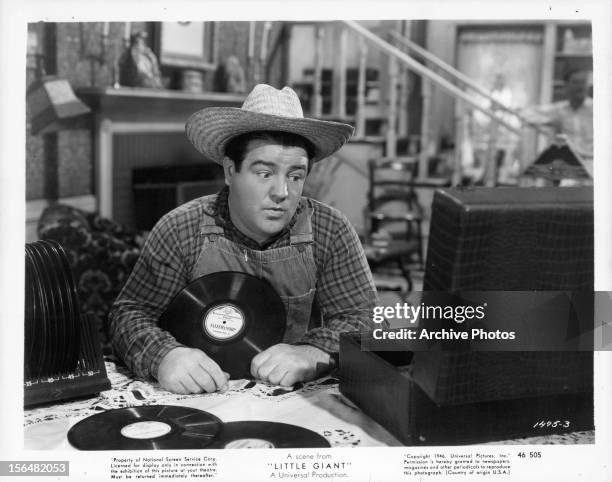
[(317, 406)]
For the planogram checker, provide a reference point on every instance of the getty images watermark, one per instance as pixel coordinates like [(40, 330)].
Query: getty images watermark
[(494, 321)]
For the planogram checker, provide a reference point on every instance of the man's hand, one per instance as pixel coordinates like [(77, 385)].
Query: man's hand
[(188, 370), (286, 365)]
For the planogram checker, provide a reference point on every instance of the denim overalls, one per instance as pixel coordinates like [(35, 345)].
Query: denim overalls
[(291, 270)]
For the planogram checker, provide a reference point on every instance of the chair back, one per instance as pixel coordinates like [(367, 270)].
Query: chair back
[(392, 199), (391, 179)]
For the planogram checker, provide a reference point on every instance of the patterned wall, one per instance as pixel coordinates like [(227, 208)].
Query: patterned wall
[(65, 165), (75, 48)]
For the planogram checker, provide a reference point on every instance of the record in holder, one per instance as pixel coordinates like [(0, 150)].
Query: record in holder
[(38, 332), (159, 427), (230, 316), (61, 320), (51, 318), (266, 435), (67, 292), (32, 321)]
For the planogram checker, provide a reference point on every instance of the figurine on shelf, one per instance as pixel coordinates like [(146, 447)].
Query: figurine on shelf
[(230, 77), (138, 65)]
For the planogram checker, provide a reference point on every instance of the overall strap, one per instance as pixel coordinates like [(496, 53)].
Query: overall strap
[(208, 226), (301, 232)]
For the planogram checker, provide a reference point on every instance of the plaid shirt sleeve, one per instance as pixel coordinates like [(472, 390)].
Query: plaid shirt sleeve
[(345, 289), (161, 271)]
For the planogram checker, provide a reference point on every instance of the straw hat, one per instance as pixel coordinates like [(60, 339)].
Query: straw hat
[(264, 109)]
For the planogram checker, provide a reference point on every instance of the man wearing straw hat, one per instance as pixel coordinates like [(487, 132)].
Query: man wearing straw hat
[(258, 224)]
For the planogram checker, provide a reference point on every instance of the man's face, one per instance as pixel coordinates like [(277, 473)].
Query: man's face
[(265, 193)]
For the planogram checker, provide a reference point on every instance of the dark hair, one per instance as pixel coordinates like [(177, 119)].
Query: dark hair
[(236, 147)]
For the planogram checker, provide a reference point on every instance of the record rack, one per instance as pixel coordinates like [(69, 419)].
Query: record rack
[(62, 356)]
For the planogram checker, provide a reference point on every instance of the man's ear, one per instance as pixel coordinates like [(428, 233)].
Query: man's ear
[(229, 169)]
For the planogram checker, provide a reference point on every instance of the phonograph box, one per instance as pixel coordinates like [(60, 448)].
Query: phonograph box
[(382, 384), (488, 239)]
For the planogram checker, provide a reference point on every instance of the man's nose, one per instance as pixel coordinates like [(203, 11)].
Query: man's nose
[(279, 189)]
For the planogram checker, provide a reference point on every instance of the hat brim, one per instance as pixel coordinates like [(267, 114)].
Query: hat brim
[(210, 129)]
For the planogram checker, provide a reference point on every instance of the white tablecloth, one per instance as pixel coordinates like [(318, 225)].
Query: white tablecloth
[(317, 406)]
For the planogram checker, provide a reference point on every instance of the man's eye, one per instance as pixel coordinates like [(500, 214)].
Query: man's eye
[(264, 174), (296, 177)]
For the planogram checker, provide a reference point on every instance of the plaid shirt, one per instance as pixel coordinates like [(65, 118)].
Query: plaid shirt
[(345, 290)]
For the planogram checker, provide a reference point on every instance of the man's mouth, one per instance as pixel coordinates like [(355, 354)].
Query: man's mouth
[(274, 213)]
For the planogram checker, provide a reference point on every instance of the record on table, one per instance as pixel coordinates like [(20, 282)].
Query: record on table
[(231, 316), (266, 435), (159, 427)]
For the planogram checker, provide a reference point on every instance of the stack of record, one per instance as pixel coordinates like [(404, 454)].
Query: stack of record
[(170, 427), (52, 317)]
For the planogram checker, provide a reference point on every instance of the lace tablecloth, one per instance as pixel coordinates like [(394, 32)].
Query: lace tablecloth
[(317, 406)]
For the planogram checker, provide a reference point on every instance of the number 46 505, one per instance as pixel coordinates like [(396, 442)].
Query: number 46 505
[(532, 455)]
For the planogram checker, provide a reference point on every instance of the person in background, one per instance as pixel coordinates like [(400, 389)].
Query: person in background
[(572, 117)]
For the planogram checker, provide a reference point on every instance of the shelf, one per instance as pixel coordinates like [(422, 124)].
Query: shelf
[(572, 50), (166, 94), (134, 104)]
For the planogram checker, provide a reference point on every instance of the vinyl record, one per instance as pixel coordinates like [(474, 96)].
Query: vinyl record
[(52, 318), (159, 427), (266, 435), (32, 312), (230, 316), (40, 329), (53, 325), (65, 290), (56, 321), (72, 296)]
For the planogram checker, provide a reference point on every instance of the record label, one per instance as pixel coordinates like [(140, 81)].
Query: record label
[(145, 430), (224, 322), (249, 443), (266, 435)]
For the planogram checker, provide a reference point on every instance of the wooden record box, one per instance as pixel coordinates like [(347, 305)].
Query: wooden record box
[(62, 355)]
